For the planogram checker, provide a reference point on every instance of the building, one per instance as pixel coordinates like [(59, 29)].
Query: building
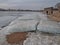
[(48, 10), (53, 13)]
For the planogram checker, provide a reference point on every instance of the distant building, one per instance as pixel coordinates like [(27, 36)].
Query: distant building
[(48, 10), (53, 13)]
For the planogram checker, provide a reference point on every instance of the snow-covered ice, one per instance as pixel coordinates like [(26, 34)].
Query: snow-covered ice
[(28, 23), (21, 26), (5, 20), (42, 39)]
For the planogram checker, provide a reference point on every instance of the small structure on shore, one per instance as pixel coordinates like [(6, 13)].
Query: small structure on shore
[(48, 10), (53, 13)]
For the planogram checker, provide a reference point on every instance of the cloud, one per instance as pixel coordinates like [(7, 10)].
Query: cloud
[(3, 5), (27, 4)]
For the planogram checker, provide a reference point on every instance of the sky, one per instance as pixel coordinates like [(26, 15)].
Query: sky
[(28, 4)]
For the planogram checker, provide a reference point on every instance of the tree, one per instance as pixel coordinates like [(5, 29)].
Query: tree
[(57, 5), (38, 19)]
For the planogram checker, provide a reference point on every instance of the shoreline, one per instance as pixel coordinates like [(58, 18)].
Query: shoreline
[(53, 18)]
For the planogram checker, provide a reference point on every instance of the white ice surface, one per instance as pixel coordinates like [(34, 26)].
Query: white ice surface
[(22, 26), (48, 26), (42, 39), (28, 23), (5, 20)]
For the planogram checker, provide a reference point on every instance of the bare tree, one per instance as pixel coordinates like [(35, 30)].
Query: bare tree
[(38, 19), (57, 5)]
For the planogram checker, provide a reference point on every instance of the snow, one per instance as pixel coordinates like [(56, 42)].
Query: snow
[(42, 39), (37, 38), (48, 26)]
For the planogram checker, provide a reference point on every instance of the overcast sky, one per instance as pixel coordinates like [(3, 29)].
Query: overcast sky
[(27, 4)]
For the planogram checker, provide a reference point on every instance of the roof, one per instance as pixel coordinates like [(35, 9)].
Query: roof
[(48, 8)]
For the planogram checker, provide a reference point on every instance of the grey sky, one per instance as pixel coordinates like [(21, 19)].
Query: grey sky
[(27, 4)]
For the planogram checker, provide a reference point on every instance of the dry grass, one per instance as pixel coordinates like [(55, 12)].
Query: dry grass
[(16, 37)]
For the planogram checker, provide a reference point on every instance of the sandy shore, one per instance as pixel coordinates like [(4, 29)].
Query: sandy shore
[(54, 18)]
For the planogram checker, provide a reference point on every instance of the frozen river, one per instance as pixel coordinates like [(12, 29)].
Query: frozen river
[(28, 21), (7, 17)]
